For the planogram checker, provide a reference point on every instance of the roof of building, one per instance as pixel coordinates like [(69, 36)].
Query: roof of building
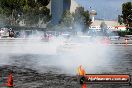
[(107, 22)]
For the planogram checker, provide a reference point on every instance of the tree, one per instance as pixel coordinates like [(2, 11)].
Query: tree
[(11, 9), (120, 19), (31, 3), (11, 5), (104, 29), (33, 16), (87, 19), (32, 11), (127, 13), (36, 11), (103, 26), (67, 19), (43, 2), (78, 15), (82, 17)]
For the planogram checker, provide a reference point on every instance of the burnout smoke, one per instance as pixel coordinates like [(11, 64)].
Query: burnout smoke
[(59, 52), (93, 57)]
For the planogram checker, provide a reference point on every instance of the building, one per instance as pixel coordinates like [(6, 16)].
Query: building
[(120, 28), (57, 9), (93, 13), (59, 6), (73, 6), (111, 25)]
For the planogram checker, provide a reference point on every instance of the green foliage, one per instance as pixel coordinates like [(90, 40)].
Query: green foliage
[(31, 3), (78, 15), (103, 25), (43, 2), (120, 19), (123, 33), (8, 7), (86, 17), (82, 16), (32, 11), (127, 13), (67, 19), (12, 4)]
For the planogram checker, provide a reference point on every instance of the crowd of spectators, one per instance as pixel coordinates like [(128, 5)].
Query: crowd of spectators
[(7, 32)]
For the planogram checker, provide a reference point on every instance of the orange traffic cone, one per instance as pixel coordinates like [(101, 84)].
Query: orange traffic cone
[(82, 72), (126, 42), (10, 80), (84, 85)]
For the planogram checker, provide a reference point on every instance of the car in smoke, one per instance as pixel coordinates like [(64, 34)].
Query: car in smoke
[(46, 37), (74, 44), (65, 35), (101, 40), (114, 37)]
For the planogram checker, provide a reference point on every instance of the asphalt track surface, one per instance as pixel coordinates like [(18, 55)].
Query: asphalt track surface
[(27, 74)]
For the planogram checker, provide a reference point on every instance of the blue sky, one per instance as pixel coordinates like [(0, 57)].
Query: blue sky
[(106, 9)]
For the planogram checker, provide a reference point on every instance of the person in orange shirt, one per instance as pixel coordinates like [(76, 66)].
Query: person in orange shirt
[(81, 71)]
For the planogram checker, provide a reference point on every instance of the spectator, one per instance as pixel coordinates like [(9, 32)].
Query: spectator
[(11, 33), (1, 32)]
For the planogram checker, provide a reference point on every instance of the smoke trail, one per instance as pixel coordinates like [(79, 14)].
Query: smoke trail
[(59, 52)]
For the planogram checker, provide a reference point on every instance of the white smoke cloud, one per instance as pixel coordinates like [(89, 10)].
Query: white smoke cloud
[(59, 53)]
